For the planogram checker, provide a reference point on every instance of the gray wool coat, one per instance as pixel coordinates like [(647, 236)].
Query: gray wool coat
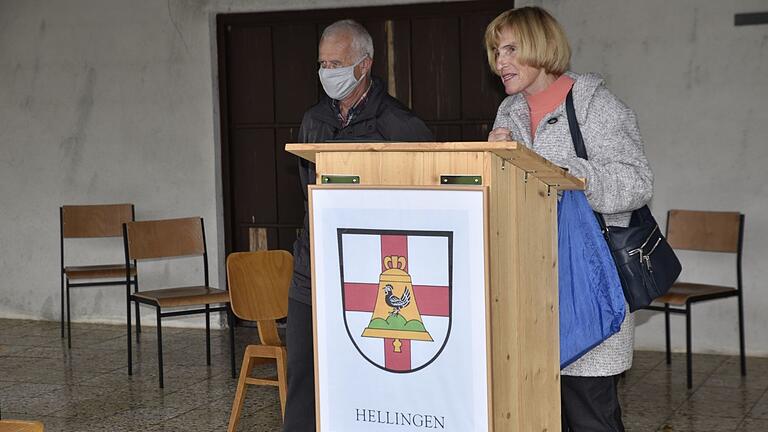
[(619, 179)]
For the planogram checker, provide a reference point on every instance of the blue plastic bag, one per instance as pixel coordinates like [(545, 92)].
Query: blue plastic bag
[(591, 299)]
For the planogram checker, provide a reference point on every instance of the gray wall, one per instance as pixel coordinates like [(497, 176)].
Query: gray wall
[(698, 85), (115, 101), (105, 101)]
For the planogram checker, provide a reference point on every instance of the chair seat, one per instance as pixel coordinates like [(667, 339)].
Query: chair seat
[(20, 426), (105, 271), (681, 292), (184, 296)]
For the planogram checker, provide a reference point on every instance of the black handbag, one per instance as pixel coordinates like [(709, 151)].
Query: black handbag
[(646, 263)]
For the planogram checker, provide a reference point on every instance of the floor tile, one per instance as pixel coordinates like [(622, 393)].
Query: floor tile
[(87, 388), (753, 425), (760, 409), (700, 423)]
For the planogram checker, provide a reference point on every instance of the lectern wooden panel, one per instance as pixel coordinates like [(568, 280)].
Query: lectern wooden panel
[(521, 221)]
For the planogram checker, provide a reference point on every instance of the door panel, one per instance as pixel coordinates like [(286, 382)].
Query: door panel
[(290, 199), (436, 68), (478, 132), (480, 88), (378, 33), (253, 175), (253, 179), (251, 50), (444, 133), (430, 57), (295, 54), (401, 56)]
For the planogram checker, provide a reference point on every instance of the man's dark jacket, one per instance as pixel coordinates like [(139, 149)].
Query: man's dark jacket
[(383, 118)]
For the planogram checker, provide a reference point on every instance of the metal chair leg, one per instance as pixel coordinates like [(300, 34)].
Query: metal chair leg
[(231, 322), (128, 327), (688, 353), (666, 330), (159, 347), (208, 335), (137, 305), (138, 311), (742, 346), (61, 317), (69, 320)]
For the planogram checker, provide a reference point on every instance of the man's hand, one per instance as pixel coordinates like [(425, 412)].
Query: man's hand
[(500, 134)]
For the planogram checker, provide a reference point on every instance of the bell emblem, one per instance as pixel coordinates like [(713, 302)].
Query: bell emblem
[(396, 314)]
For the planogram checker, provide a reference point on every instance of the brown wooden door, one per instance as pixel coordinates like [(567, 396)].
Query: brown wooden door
[(430, 55)]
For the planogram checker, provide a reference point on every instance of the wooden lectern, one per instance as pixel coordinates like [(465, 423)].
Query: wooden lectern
[(520, 212)]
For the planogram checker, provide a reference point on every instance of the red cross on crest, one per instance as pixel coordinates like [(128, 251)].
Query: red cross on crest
[(396, 288)]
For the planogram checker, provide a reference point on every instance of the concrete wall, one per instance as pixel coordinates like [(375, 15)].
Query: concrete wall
[(105, 101), (698, 85), (116, 101)]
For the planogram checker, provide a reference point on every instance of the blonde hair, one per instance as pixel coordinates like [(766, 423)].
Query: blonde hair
[(542, 41)]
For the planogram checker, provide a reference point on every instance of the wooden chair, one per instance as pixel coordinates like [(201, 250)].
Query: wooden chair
[(707, 232), (173, 238), (20, 426), (258, 289), (93, 221)]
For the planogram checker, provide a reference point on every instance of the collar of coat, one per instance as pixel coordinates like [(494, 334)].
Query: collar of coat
[(584, 88), (370, 110)]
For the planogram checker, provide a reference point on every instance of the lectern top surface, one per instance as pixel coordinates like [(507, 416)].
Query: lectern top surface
[(510, 151)]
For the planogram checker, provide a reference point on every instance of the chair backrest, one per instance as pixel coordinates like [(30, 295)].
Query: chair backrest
[(90, 221), (165, 238), (258, 288), (705, 230)]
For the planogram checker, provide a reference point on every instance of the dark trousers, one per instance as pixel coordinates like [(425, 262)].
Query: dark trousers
[(300, 401), (590, 404)]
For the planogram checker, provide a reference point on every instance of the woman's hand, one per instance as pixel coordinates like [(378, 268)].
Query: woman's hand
[(500, 134)]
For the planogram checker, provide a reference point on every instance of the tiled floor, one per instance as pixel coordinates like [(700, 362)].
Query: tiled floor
[(87, 389)]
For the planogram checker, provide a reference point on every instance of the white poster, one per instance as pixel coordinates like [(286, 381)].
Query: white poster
[(400, 307)]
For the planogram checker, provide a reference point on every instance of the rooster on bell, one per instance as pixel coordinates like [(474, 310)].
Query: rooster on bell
[(395, 302)]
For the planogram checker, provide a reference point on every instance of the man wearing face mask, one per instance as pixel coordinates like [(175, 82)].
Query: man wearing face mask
[(357, 108)]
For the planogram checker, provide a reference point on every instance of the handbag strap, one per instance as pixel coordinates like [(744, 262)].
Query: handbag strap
[(578, 143), (643, 214), (573, 125)]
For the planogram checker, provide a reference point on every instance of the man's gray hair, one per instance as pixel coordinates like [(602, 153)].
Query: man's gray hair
[(362, 44)]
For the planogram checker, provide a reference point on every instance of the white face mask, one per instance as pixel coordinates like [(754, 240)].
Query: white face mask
[(338, 83)]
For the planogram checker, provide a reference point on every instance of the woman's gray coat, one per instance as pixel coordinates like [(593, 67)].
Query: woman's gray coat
[(619, 179)]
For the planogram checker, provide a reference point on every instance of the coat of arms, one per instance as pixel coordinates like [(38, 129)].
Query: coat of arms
[(396, 287)]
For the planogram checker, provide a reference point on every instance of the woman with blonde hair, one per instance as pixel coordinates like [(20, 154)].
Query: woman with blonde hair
[(527, 48)]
